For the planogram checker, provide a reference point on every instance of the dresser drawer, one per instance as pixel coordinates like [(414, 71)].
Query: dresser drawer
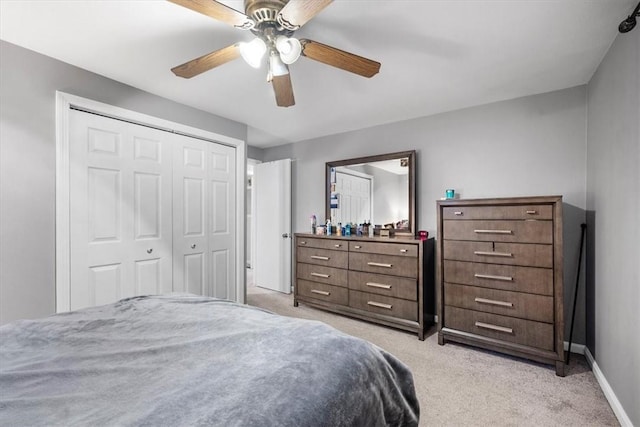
[(506, 303), (507, 277), (326, 257), (381, 284), (322, 274), (500, 231), (384, 305), (400, 249), (323, 292), (531, 255), (498, 212), (338, 245), (510, 329), (384, 264)]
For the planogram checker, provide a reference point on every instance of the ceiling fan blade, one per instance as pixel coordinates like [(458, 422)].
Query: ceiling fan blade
[(296, 13), (219, 11), (207, 62), (283, 90), (339, 58)]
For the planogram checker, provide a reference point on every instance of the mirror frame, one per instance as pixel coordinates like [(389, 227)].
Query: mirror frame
[(411, 155)]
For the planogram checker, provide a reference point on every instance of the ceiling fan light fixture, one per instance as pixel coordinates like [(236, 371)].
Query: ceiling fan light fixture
[(289, 49), (253, 51)]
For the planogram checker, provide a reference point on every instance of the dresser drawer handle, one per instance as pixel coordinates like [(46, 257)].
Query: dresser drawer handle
[(458, 213), (323, 258), (403, 251), (357, 247), (492, 231), (325, 276), (378, 285), (325, 293), (303, 243), (503, 254), (379, 264), (336, 246), (531, 212), (489, 276), (494, 327), (379, 304), (494, 302)]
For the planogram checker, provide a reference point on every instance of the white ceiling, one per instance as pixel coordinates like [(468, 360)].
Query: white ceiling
[(436, 56)]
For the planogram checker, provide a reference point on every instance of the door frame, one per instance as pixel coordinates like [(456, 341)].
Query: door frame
[(66, 101)]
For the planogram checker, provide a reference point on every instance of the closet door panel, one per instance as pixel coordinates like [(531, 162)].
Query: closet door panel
[(120, 210)]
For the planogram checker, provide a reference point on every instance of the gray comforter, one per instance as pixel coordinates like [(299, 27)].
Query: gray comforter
[(189, 360)]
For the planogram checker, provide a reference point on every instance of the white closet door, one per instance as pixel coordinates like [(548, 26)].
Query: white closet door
[(222, 236), (204, 214), (120, 210)]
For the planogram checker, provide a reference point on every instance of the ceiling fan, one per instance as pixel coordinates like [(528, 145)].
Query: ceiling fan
[(273, 22)]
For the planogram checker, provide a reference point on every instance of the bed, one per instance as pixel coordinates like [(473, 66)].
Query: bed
[(186, 360)]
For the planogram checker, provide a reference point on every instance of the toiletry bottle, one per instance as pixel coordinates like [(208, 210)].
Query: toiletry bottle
[(313, 224), (328, 227), (347, 229), (372, 229), (339, 229)]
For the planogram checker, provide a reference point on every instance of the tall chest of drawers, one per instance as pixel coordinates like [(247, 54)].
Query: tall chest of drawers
[(500, 276), (386, 281)]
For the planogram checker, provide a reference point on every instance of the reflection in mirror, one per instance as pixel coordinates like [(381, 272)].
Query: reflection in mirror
[(377, 190)]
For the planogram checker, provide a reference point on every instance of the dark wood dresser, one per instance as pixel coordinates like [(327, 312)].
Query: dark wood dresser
[(383, 280), (499, 276)]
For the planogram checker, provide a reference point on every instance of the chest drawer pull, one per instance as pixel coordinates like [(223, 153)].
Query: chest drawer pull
[(378, 285), (337, 246), (489, 276), (357, 247), (325, 293), (503, 254), (379, 264), (494, 327), (531, 212), (326, 276), (303, 242), (492, 231), (404, 251), (379, 304), (323, 258), (458, 213), (493, 302)]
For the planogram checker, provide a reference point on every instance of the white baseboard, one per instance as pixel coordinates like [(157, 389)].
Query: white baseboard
[(618, 410)]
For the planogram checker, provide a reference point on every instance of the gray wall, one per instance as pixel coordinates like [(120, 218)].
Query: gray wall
[(522, 147), (613, 204), (28, 82)]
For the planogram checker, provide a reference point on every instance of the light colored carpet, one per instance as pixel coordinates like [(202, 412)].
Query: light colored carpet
[(459, 385)]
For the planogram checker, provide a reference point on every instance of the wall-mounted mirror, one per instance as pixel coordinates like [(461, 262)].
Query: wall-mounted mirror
[(376, 189)]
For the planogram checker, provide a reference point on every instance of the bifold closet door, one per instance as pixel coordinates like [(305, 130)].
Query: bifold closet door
[(120, 210), (151, 212), (204, 218)]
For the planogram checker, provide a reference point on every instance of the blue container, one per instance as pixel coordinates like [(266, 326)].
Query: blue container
[(450, 193)]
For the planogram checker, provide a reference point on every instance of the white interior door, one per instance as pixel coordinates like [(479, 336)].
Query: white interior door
[(190, 213), (354, 197), (222, 223), (204, 218), (120, 210), (272, 191)]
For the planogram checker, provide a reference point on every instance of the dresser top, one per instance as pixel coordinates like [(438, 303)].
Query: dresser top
[(400, 239), (501, 201)]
